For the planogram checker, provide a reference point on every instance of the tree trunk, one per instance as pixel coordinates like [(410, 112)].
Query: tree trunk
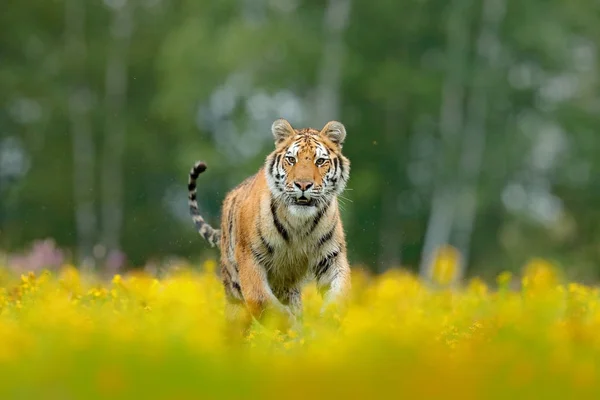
[(79, 98), (327, 104), (115, 126), (488, 47), (443, 202)]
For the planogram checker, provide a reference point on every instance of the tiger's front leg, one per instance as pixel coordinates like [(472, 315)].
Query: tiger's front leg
[(333, 281), (292, 297), (264, 306)]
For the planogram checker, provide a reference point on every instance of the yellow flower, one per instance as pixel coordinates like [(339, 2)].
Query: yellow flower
[(477, 286), (209, 266), (540, 274), (446, 265), (117, 279), (397, 336), (504, 279)]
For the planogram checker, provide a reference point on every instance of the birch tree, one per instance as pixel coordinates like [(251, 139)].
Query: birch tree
[(439, 225), (335, 22), (83, 148), (489, 47), (115, 128)]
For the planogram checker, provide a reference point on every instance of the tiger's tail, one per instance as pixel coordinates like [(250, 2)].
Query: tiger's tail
[(210, 234)]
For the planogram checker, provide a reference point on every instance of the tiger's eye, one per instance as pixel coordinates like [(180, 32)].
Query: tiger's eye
[(291, 160), (320, 162)]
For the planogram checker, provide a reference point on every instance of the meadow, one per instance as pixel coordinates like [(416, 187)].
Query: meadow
[(71, 335)]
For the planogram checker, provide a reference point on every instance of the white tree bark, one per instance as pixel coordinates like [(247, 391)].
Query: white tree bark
[(115, 125), (488, 52), (441, 215), (327, 99), (81, 133)]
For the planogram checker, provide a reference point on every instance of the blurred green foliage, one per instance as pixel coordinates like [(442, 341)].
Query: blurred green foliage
[(488, 106)]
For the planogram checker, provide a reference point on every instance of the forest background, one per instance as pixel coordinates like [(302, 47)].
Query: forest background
[(471, 124)]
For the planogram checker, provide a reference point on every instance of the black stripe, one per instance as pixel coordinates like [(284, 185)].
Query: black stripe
[(341, 168), (278, 225), (198, 169), (278, 159), (230, 226), (225, 272), (318, 218), (326, 263), (258, 256), (231, 244), (231, 284), (276, 172), (238, 288), (231, 212), (271, 164), (215, 237), (191, 186), (327, 151), (261, 259), (327, 237), (235, 267), (266, 244), (335, 163)]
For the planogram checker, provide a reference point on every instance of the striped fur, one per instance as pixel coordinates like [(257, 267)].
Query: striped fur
[(281, 227), (213, 236)]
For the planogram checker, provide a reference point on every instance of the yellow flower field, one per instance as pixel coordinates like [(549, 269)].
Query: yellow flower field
[(73, 336)]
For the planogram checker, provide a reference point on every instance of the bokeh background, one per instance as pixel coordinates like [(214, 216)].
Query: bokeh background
[(471, 124)]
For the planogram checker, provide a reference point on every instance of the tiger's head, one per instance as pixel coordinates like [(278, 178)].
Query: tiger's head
[(307, 169)]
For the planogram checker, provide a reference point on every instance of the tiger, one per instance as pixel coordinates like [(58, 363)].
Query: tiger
[(281, 227)]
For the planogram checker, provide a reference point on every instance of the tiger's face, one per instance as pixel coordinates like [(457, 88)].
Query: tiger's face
[(307, 168)]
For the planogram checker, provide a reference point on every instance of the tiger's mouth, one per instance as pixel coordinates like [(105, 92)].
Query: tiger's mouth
[(304, 202)]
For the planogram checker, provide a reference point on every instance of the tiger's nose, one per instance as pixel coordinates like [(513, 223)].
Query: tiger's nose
[(303, 185)]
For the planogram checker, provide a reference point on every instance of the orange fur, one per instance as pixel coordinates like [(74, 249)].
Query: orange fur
[(281, 227)]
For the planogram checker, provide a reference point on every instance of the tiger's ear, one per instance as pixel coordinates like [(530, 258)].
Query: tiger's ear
[(281, 130), (334, 131)]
